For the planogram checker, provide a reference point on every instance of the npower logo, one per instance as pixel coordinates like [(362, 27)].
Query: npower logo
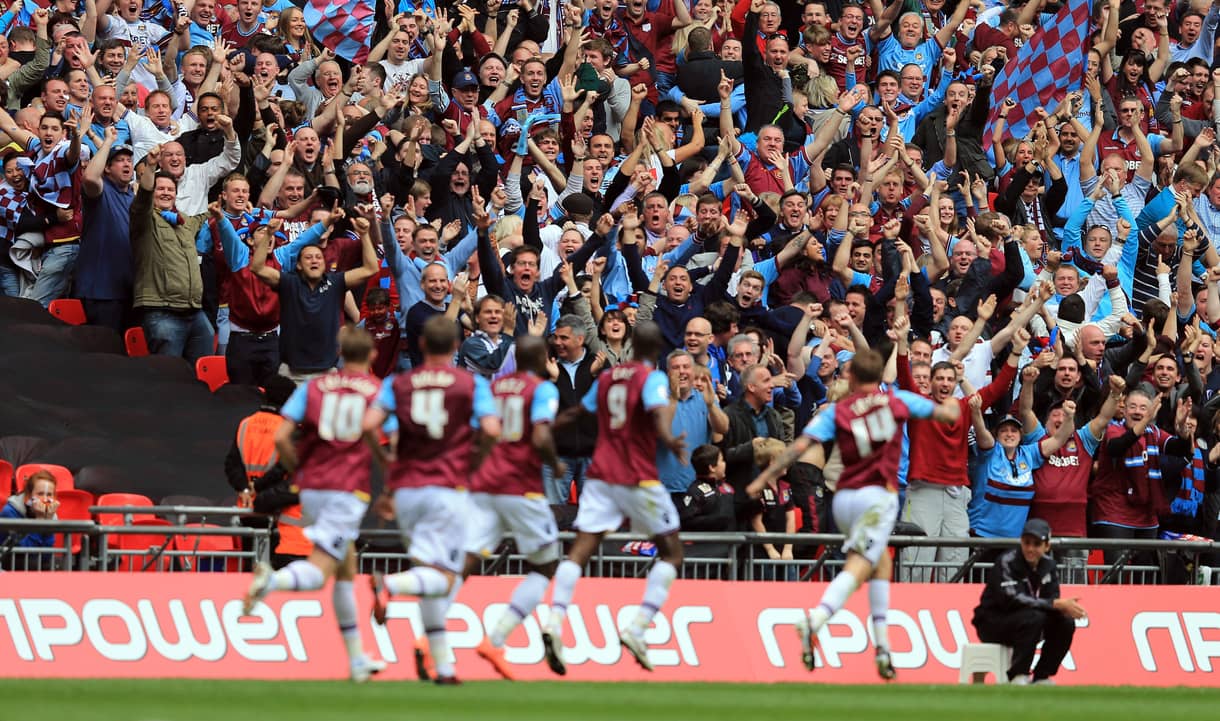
[(591, 637), (1185, 630), (931, 637), (209, 631), (119, 631)]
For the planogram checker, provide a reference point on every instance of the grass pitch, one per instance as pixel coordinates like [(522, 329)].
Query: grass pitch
[(176, 700)]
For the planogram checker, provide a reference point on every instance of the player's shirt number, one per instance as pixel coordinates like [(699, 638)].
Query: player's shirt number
[(428, 411), (616, 403), (872, 429), (340, 417), (512, 418)]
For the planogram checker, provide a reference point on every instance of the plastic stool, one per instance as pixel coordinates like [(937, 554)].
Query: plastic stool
[(979, 659)]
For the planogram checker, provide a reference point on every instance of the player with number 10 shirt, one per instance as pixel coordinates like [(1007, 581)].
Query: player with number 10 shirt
[(332, 451)]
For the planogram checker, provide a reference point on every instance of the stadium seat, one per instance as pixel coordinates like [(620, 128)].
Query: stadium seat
[(69, 310), (6, 479), (63, 477), (213, 370), (148, 542), (135, 342), (209, 547), (105, 518), (73, 506), (980, 659)]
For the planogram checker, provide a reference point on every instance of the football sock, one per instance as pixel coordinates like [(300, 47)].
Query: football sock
[(344, 598), (833, 599), (421, 581), (525, 599), (879, 606), (432, 612), (297, 576), (565, 585), (660, 578)]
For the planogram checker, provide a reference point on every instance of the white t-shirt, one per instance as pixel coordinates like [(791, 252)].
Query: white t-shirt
[(139, 34), (977, 363), (398, 75)]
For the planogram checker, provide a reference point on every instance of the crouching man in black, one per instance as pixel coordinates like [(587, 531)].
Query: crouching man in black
[(1021, 606)]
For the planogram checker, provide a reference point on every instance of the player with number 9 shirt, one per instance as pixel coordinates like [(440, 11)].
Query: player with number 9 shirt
[(330, 464), (865, 426), (631, 401), (441, 414)]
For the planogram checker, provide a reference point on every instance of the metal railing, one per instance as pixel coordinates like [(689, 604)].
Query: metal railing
[(179, 547)]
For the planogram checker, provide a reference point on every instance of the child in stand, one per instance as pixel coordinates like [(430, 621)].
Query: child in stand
[(383, 324), (775, 512), (36, 502)]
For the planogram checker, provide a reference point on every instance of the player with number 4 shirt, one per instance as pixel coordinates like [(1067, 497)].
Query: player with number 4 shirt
[(866, 427), (445, 419)]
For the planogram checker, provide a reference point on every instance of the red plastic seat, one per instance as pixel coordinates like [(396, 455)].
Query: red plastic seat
[(213, 370), (63, 477), (201, 550), (73, 506), (6, 480), (135, 342), (69, 310), (147, 542), (105, 518)]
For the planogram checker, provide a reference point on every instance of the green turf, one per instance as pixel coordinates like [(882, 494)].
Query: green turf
[(173, 700)]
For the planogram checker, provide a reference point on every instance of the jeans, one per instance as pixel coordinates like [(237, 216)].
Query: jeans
[(184, 333), (558, 490), (10, 280), (223, 330), (58, 266), (665, 81)]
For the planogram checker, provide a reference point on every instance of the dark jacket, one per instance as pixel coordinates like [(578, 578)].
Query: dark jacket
[(1013, 586), (1087, 396), (578, 438), (738, 442), (446, 205), (764, 88), (672, 317), (699, 77), (541, 297), (707, 506), (930, 136)]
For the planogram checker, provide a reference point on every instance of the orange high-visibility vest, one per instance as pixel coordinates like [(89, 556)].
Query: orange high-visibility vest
[(256, 443)]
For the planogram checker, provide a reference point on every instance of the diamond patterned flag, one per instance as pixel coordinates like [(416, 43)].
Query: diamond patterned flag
[(344, 26), (1046, 68)]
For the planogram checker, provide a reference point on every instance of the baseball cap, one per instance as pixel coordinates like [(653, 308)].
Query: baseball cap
[(122, 148), (465, 79), (1010, 419), (577, 204), (1037, 528)]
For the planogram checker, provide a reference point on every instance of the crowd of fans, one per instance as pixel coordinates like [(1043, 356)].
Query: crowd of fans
[(776, 184)]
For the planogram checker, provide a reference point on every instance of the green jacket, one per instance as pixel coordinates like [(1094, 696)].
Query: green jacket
[(166, 262), (28, 75)]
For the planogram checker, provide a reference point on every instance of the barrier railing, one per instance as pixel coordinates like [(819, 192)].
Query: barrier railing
[(138, 545)]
